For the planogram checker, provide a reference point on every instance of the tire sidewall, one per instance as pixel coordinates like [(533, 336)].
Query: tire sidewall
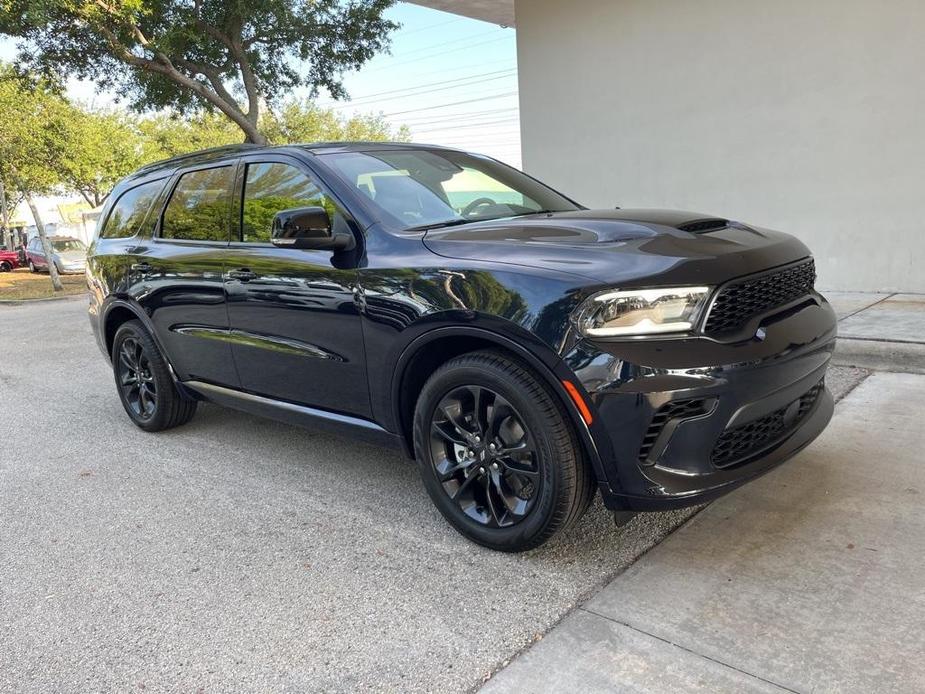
[(540, 516)]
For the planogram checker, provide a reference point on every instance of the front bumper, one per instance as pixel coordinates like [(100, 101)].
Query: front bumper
[(682, 421)]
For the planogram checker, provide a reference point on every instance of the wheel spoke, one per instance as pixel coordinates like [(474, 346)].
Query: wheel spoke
[(491, 491), (470, 478), (127, 357), (450, 432), (453, 420), (479, 406), (500, 410), (518, 469)]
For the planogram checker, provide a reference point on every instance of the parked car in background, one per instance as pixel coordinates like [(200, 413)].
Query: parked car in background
[(527, 351), (9, 260), (68, 254)]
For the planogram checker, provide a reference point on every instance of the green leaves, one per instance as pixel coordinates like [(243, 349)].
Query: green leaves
[(226, 55)]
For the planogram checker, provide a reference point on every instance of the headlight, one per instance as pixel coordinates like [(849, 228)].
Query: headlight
[(641, 311)]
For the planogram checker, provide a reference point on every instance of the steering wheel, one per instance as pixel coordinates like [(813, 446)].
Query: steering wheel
[(478, 202)]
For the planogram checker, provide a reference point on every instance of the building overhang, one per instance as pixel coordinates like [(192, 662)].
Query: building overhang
[(494, 11)]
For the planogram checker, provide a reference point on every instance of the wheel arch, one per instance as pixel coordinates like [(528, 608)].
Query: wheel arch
[(428, 351), (120, 311)]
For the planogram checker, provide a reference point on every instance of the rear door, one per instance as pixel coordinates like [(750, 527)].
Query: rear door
[(181, 273), (296, 328)]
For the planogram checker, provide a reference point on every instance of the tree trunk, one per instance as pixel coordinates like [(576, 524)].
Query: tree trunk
[(5, 220), (46, 247)]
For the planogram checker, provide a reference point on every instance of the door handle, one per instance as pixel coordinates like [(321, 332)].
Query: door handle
[(143, 268), (242, 275)]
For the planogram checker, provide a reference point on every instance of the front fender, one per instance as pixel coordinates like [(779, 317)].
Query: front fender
[(511, 338)]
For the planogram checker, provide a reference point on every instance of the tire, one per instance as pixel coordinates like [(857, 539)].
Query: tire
[(32, 267), (144, 383), (5, 267), (510, 503)]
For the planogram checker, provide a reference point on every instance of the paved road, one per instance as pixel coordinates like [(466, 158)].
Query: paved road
[(241, 554)]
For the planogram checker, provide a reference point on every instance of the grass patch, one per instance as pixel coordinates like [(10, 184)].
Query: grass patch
[(21, 284)]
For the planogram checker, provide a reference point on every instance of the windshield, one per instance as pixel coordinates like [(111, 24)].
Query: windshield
[(417, 189), (64, 245)]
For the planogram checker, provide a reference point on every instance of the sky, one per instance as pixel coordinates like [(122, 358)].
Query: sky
[(452, 80)]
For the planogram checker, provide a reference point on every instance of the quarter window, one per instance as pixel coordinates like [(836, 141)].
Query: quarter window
[(198, 207), (273, 187), (130, 211)]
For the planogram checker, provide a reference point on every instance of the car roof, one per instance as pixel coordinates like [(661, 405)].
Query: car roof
[(215, 153)]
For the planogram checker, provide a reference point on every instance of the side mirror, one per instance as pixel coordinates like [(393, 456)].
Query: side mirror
[(308, 228)]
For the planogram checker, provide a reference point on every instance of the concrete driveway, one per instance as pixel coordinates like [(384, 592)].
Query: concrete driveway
[(811, 579), (240, 554)]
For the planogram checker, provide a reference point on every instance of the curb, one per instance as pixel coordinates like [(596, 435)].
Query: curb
[(880, 355), (19, 302)]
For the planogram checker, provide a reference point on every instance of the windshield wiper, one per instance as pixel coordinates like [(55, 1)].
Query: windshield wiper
[(440, 225), (527, 214)]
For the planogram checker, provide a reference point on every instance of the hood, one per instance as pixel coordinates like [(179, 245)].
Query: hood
[(628, 247)]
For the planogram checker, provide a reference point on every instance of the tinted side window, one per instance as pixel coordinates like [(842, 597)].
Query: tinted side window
[(198, 207), (130, 211), (270, 188)]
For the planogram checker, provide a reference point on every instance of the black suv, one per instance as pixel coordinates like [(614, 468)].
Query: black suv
[(525, 350)]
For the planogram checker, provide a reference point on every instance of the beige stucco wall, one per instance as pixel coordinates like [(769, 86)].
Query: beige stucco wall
[(801, 115)]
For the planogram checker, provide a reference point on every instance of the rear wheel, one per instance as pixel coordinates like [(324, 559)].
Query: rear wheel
[(146, 388), (5, 267), (32, 267), (497, 453)]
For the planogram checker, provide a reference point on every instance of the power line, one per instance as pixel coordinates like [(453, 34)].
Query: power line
[(455, 103), (367, 100), (430, 26), (441, 44), (445, 71), (451, 117), (434, 55), (512, 121)]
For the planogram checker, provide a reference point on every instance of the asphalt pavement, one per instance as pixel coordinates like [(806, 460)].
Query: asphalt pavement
[(238, 554)]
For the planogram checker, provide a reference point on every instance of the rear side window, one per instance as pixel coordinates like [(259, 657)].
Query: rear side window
[(131, 209), (199, 206)]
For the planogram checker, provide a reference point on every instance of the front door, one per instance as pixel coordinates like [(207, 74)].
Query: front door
[(296, 332)]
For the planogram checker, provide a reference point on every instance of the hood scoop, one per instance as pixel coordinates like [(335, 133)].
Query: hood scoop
[(702, 226)]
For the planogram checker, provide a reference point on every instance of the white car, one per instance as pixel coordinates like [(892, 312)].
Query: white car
[(69, 255)]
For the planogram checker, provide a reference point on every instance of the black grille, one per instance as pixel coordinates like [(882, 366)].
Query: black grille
[(740, 300), (738, 443), (679, 409)]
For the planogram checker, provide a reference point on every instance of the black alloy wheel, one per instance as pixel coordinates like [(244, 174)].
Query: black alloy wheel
[(136, 380), (484, 456), (498, 454), (146, 387)]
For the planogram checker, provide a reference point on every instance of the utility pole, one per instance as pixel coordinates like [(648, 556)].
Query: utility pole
[(5, 219)]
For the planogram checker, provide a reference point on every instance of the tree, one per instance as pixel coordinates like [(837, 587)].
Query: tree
[(31, 139), (162, 136), (99, 148), (232, 56)]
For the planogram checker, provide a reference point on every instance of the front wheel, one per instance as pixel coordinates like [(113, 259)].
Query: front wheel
[(147, 391), (5, 267), (32, 267), (497, 453)]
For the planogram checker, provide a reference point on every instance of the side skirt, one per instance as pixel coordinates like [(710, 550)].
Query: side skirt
[(299, 415)]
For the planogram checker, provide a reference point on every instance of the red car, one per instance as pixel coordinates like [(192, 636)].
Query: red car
[(9, 260)]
